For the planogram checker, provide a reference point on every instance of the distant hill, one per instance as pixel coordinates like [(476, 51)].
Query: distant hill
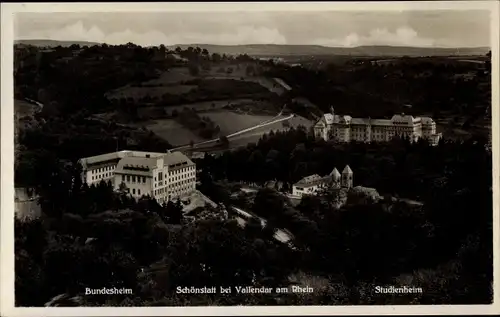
[(53, 43), (288, 50), (291, 50)]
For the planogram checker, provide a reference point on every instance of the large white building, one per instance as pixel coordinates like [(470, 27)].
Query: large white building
[(344, 128), (313, 184), (164, 176)]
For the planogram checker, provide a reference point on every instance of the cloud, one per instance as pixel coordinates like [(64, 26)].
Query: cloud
[(403, 36), (240, 35)]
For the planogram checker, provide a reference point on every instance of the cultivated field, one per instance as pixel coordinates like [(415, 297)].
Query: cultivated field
[(239, 100), (254, 135), (177, 81), (172, 131), (230, 122), (208, 105), (154, 91), (174, 75)]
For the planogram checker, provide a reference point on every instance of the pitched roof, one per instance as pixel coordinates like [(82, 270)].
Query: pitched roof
[(426, 120), (379, 122), (360, 121), (142, 162), (103, 158), (402, 118), (311, 180), (328, 118), (335, 174), (347, 170), (176, 160), (320, 123)]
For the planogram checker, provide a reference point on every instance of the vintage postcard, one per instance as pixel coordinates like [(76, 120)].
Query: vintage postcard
[(250, 158)]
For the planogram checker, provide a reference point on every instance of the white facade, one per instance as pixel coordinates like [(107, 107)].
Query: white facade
[(313, 184), (345, 128), (309, 185), (164, 176)]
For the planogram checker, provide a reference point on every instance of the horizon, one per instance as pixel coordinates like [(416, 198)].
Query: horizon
[(256, 44), (410, 28)]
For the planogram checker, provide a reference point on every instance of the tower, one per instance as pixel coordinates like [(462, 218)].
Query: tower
[(335, 176), (347, 175), (332, 111)]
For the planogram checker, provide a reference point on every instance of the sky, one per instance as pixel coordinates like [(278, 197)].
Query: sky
[(430, 28)]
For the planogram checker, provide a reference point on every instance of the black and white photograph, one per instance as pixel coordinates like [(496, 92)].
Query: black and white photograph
[(249, 155)]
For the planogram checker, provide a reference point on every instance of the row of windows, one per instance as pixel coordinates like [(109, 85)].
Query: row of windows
[(133, 191), (174, 178), (181, 170), (183, 190), (160, 191), (183, 182), (172, 183), (183, 176), (102, 169), (102, 176), (176, 191), (134, 179)]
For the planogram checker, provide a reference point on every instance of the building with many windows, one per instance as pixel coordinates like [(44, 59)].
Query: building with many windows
[(344, 128), (164, 176), (312, 184)]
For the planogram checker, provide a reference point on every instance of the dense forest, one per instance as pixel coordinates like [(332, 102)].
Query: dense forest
[(112, 240), (436, 86), (95, 237)]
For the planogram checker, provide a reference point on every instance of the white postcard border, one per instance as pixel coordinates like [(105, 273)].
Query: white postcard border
[(7, 157)]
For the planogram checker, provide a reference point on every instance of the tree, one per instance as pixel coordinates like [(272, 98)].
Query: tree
[(269, 204), (224, 141), (173, 212), (216, 58)]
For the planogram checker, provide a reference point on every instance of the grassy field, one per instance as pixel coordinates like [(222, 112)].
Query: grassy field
[(255, 135), (169, 82), (172, 76), (172, 131), (176, 81), (208, 105), (230, 122), (141, 92), (241, 105)]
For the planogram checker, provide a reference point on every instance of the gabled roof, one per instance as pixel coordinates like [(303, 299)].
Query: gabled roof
[(347, 170), (320, 123)]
